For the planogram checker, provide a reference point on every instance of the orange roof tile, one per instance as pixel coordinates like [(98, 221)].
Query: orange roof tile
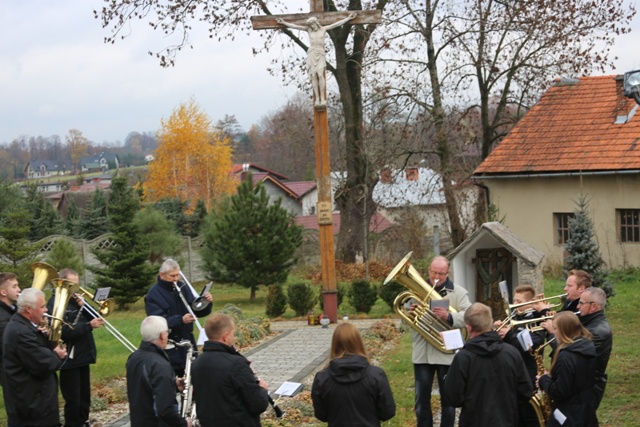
[(572, 128)]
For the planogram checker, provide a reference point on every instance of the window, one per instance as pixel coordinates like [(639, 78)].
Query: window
[(562, 227), (629, 225)]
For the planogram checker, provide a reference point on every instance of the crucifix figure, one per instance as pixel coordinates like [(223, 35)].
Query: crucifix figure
[(316, 56), (317, 23)]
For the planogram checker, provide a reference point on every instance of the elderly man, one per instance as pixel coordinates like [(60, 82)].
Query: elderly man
[(427, 359), (151, 383), (31, 384), (172, 299), (591, 305)]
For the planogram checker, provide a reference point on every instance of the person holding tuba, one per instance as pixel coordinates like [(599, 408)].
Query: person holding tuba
[(151, 382), (172, 299), (77, 334), (30, 365), (427, 359)]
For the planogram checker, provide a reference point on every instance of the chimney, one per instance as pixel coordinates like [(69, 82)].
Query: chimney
[(622, 112), (412, 174), (385, 176)]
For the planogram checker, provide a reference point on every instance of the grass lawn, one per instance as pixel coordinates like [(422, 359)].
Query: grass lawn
[(620, 406)]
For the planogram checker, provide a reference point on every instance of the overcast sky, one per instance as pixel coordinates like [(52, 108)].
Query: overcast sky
[(57, 74)]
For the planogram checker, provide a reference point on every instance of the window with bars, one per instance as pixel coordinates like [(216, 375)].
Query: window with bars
[(629, 225), (561, 220)]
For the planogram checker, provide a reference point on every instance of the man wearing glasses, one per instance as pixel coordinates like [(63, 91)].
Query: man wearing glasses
[(591, 306), (169, 298), (427, 359)]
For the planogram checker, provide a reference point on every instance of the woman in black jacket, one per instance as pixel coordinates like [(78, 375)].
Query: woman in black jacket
[(571, 380), (350, 391)]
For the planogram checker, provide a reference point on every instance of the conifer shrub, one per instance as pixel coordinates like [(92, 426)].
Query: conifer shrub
[(390, 291), (301, 299), (276, 301), (362, 296)]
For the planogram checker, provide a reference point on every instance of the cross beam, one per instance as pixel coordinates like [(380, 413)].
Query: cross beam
[(268, 22)]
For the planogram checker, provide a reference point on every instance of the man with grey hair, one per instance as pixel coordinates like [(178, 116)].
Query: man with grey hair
[(151, 383), (173, 299), (591, 305), (487, 377), (31, 384)]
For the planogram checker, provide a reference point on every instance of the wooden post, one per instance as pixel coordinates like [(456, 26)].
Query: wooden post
[(323, 166)]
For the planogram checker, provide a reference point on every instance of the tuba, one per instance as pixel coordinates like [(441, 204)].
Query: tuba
[(43, 273), (421, 319), (64, 289)]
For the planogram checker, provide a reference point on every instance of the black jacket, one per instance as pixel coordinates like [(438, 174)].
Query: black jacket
[(537, 337), (225, 388), (151, 389), (487, 378), (570, 386), (602, 338), (31, 384), (163, 300), (351, 392), (81, 346), (6, 311)]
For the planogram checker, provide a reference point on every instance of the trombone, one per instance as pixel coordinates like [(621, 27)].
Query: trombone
[(106, 307)]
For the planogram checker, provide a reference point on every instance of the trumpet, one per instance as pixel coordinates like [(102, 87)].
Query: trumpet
[(512, 311)]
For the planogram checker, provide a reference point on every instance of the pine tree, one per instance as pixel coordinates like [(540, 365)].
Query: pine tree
[(583, 250), (64, 255), (94, 221), (44, 219), (124, 265), (158, 235), (16, 252), (250, 242), (72, 222)]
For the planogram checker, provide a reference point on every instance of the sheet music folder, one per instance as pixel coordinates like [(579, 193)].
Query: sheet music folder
[(289, 389)]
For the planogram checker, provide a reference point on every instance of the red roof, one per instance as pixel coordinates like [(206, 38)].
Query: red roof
[(571, 129), (237, 168), (301, 187), (377, 225)]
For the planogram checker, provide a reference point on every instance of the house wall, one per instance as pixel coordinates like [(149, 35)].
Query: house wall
[(288, 203), (528, 205)]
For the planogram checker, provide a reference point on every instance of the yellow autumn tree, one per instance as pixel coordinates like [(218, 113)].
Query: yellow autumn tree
[(192, 161), (78, 145)]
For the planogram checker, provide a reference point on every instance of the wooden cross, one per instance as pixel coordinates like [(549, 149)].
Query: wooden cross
[(321, 126)]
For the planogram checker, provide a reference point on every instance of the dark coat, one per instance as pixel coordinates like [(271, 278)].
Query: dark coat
[(81, 346), (351, 392), (570, 386), (488, 379), (602, 338), (537, 337), (31, 384), (225, 388), (163, 300), (6, 311), (151, 389)]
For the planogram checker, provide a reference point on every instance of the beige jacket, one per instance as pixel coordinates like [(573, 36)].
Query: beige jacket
[(423, 352)]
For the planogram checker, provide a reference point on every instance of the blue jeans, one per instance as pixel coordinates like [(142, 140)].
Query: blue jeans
[(424, 374)]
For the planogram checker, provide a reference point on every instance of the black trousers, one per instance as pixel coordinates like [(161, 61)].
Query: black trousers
[(75, 385)]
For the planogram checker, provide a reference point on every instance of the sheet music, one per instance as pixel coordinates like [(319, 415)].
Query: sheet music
[(288, 388), (452, 339)]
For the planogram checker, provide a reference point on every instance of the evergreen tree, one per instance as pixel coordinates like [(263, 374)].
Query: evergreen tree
[(94, 221), (16, 252), (10, 197), (174, 210), (72, 222), (124, 265), (158, 235), (583, 250), (44, 219), (197, 219), (64, 255), (250, 242)]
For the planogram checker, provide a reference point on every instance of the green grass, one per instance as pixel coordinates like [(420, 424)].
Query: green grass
[(620, 406)]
